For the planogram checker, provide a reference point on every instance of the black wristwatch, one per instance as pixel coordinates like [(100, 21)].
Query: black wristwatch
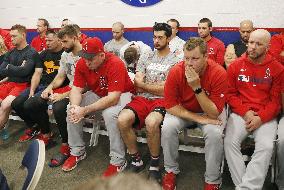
[(198, 91)]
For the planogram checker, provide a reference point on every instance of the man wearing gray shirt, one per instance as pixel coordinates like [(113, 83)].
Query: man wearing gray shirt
[(147, 108), (118, 40)]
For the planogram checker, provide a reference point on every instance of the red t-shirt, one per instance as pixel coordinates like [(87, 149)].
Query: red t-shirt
[(255, 87), (216, 50), (39, 43), (109, 77), (213, 82), (7, 39), (277, 46)]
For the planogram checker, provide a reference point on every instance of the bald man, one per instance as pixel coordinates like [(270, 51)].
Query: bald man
[(118, 40), (254, 98), (238, 48)]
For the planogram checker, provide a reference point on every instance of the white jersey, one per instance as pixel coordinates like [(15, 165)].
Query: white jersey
[(143, 50), (114, 46), (156, 70), (67, 65), (176, 46)]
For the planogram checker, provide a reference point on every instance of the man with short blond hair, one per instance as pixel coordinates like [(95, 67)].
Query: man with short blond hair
[(195, 92), (18, 65)]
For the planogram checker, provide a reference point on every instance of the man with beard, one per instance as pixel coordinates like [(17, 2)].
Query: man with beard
[(118, 40), (147, 108), (18, 65), (59, 100), (39, 42), (254, 98), (238, 48), (215, 47), (195, 93), (45, 71)]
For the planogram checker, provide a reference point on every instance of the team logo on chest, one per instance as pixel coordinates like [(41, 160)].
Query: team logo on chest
[(103, 82)]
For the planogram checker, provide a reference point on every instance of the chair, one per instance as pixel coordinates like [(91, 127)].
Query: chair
[(33, 163)]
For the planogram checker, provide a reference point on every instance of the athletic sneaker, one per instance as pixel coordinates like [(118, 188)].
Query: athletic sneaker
[(169, 181), (113, 170), (29, 134), (155, 175), (72, 161), (135, 167)]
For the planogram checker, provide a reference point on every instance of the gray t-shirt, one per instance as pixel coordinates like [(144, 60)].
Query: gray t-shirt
[(114, 46), (67, 65), (156, 70)]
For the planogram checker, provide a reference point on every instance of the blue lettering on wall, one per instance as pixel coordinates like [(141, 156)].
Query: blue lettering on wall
[(141, 3)]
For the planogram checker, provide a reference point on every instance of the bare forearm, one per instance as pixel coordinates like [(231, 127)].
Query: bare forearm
[(183, 113), (103, 103), (207, 105), (34, 83), (57, 82), (156, 89)]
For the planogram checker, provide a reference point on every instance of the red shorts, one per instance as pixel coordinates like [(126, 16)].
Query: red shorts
[(142, 107), (62, 90), (12, 88)]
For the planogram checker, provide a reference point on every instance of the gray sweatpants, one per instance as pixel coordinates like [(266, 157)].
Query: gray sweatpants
[(280, 155), (214, 152), (75, 131), (251, 177)]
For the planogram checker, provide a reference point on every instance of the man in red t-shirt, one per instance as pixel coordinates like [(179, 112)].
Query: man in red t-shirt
[(195, 94), (254, 98), (39, 42), (280, 143), (110, 86), (215, 47), (7, 38), (277, 47)]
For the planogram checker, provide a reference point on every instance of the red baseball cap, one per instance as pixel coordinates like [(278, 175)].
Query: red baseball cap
[(91, 47)]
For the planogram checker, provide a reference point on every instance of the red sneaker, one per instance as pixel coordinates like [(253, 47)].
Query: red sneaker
[(208, 186), (169, 181), (65, 149), (45, 139), (72, 161), (113, 170), (29, 134)]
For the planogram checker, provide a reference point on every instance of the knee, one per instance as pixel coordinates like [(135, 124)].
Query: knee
[(18, 102), (265, 145), (168, 131), (59, 108), (34, 104), (125, 120), (213, 134), (152, 125)]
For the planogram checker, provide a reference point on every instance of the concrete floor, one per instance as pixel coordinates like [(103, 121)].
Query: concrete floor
[(192, 165)]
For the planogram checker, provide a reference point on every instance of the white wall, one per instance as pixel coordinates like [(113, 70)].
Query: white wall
[(102, 13)]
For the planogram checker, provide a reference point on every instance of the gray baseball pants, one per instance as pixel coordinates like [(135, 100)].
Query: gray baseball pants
[(214, 152), (75, 131), (251, 177)]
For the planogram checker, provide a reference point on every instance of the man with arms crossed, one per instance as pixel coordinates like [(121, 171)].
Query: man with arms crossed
[(148, 107), (254, 98), (195, 94)]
